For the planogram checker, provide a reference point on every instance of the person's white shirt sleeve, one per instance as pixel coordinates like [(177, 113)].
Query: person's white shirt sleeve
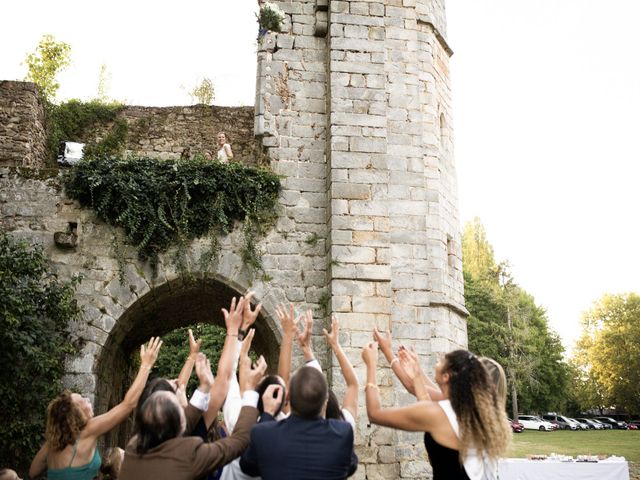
[(233, 402), (200, 400)]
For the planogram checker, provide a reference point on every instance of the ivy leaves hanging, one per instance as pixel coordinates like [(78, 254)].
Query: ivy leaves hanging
[(160, 204)]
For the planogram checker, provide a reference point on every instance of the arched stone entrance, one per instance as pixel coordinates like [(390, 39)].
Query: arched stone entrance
[(172, 305)]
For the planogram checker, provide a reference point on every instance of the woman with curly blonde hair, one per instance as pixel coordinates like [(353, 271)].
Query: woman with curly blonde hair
[(70, 451), (466, 431)]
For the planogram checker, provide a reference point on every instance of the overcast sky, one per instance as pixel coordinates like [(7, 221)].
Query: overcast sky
[(546, 103)]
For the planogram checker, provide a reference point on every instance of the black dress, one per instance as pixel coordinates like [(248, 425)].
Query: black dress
[(445, 461)]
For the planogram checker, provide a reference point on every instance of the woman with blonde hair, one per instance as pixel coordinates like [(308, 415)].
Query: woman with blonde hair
[(224, 149), (71, 438), (465, 432)]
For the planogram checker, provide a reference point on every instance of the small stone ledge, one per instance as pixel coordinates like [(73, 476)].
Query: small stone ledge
[(443, 42), (438, 300)]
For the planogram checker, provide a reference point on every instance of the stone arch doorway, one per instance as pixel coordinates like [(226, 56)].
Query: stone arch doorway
[(165, 308)]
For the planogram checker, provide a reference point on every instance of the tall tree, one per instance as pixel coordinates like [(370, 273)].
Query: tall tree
[(44, 64), (506, 324), (609, 350)]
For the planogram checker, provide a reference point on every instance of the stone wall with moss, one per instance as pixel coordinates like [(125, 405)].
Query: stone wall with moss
[(159, 132), (22, 134)]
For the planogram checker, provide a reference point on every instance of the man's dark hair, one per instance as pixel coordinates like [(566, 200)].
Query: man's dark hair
[(160, 421), (157, 384), (262, 387), (308, 392)]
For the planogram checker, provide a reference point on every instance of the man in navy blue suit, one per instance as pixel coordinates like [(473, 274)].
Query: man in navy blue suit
[(305, 445)]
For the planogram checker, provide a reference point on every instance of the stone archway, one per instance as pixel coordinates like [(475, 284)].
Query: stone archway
[(169, 306)]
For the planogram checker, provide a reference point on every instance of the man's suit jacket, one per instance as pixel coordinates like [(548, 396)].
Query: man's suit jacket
[(186, 458), (300, 449)]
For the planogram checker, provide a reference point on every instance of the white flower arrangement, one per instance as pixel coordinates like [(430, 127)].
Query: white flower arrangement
[(271, 17)]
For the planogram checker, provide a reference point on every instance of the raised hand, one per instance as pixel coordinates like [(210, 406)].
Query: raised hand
[(233, 317), (304, 337), (246, 344), (410, 363), (384, 340), (287, 321), (194, 345), (272, 399), (203, 371), (149, 352), (370, 354), (332, 337), (250, 375), (249, 316)]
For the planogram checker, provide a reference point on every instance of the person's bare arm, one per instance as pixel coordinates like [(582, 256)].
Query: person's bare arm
[(289, 331), (187, 369), (304, 337), (39, 463), (423, 387), (233, 321), (384, 341), (227, 149), (414, 418), (105, 422), (350, 400)]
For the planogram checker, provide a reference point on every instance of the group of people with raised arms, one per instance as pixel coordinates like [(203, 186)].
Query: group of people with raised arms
[(288, 425)]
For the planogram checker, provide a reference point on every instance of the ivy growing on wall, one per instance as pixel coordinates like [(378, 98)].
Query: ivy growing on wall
[(76, 120), (165, 203)]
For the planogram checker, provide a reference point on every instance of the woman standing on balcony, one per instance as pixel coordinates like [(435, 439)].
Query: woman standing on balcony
[(224, 153)]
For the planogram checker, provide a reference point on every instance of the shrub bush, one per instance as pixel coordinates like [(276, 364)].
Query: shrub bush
[(35, 312)]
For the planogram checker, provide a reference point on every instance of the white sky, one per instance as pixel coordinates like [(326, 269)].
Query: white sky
[(546, 105)]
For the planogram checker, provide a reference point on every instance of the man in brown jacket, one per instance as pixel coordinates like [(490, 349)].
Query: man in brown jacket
[(160, 452)]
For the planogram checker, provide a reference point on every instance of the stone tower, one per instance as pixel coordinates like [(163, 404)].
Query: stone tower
[(353, 110), (354, 105)]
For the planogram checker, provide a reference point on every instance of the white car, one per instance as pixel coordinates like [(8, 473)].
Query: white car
[(579, 425), (531, 422)]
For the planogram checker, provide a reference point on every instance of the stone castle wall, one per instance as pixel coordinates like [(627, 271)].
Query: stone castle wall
[(165, 132), (158, 132), (354, 105), (353, 110), (22, 134)]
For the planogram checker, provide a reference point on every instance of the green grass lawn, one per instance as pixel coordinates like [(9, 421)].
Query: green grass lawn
[(624, 443)]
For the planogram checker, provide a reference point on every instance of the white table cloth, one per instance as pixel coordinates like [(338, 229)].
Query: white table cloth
[(523, 469)]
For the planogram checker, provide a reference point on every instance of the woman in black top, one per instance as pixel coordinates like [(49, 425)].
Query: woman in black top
[(466, 431)]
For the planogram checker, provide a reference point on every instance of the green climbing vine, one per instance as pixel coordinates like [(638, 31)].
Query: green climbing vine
[(164, 203), (76, 121)]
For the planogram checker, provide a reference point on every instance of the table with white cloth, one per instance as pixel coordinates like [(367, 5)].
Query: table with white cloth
[(523, 469)]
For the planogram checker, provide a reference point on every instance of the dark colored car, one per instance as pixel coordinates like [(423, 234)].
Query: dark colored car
[(620, 425), (516, 427)]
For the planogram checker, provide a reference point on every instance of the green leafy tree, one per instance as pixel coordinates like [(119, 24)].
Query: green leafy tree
[(609, 351), (44, 64), (35, 311), (175, 349), (203, 93), (506, 324)]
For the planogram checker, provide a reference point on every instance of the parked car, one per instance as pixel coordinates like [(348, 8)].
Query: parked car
[(620, 425), (581, 426), (516, 427), (532, 422), (563, 422), (633, 426), (605, 426), (590, 423)]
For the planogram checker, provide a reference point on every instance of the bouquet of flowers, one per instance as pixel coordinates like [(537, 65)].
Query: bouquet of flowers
[(270, 18)]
